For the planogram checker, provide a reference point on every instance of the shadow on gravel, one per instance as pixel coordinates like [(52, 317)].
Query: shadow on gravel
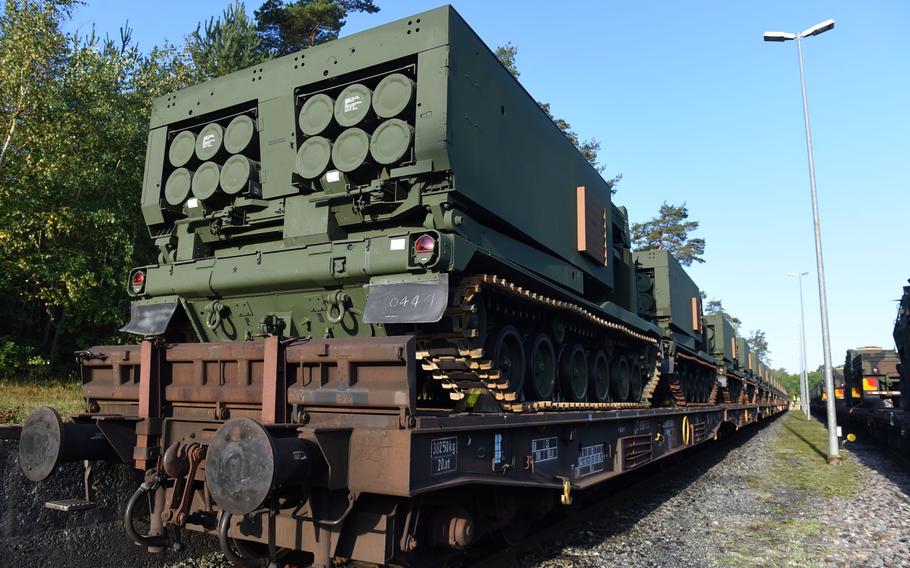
[(808, 442), (883, 460), (621, 503), (31, 535), (877, 455)]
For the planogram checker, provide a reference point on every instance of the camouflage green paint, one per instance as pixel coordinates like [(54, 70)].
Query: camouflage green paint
[(352, 150)]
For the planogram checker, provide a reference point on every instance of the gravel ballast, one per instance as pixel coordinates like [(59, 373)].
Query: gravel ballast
[(771, 501)]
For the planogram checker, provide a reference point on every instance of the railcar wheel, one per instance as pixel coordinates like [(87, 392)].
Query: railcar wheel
[(620, 384), (542, 364), (509, 358), (573, 373), (635, 383), (599, 375)]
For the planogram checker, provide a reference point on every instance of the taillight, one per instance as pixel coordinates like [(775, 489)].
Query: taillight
[(425, 245), (138, 281)]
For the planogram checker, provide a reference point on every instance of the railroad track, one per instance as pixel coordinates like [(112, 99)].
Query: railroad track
[(666, 477)]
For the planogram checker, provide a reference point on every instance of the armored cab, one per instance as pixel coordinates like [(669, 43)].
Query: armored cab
[(398, 180), (672, 300), (872, 377), (902, 341)]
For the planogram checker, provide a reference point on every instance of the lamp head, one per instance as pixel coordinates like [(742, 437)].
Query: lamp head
[(818, 28), (779, 36)]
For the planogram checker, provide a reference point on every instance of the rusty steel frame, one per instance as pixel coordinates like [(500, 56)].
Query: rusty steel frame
[(356, 400)]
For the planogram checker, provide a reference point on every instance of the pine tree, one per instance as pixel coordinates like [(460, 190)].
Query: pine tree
[(669, 231), (288, 27), (226, 44), (716, 307), (758, 343), (508, 55)]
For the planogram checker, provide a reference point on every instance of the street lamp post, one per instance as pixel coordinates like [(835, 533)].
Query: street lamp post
[(833, 449), (803, 374)]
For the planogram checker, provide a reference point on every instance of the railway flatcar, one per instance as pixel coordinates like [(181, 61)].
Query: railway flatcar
[(672, 300), (394, 310)]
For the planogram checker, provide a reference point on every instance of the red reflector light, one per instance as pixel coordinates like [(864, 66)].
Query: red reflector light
[(138, 281), (425, 243)]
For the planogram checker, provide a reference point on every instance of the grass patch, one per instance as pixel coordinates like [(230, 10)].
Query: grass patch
[(767, 541), (19, 397), (797, 480), (800, 462)]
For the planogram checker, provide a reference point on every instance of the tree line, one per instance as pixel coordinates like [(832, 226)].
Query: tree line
[(74, 114), (73, 124)]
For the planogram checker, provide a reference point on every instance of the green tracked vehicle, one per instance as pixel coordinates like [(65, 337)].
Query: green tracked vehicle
[(672, 300), (394, 181), (722, 342), (872, 378)]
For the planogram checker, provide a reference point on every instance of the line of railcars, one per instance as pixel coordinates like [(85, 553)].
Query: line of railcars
[(872, 388), (394, 311)]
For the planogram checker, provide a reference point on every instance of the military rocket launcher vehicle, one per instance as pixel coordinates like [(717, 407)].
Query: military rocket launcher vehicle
[(672, 300), (368, 253), (721, 336), (394, 181)]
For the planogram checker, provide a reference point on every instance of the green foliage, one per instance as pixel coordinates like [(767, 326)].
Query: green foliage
[(74, 137), (73, 129), (717, 307), (226, 44), (286, 27), (758, 343), (589, 148), (508, 56), (669, 231), (790, 381)]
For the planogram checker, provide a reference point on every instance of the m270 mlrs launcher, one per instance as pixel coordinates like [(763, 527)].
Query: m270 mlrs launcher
[(393, 309)]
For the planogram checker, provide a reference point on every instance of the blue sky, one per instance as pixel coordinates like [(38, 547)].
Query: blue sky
[(691, 105)]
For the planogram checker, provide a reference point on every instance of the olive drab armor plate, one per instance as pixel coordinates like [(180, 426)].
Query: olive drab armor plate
[(290, 197)]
